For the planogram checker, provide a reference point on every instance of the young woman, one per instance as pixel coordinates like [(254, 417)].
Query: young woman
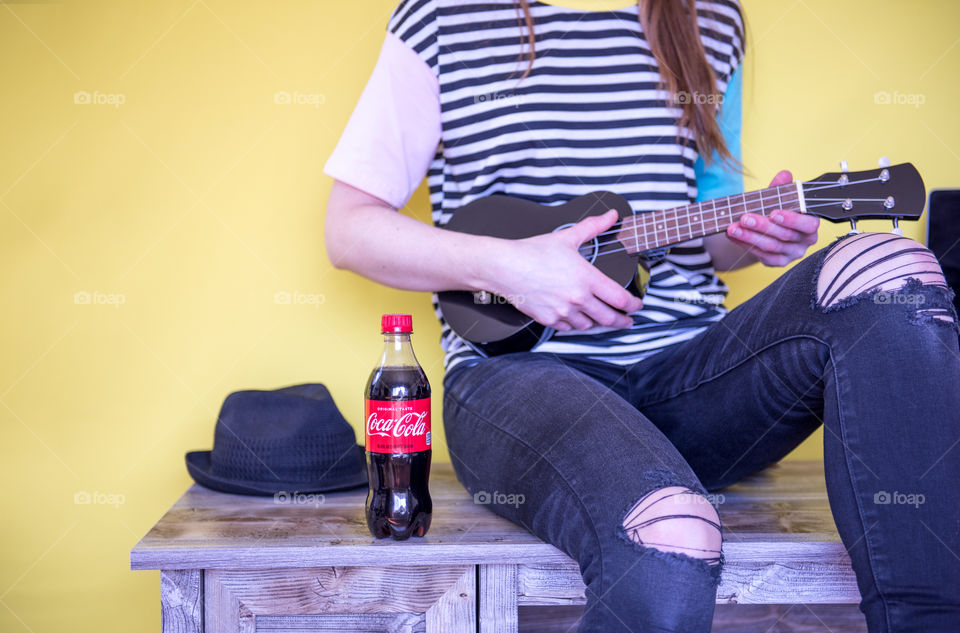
[(615, 427)]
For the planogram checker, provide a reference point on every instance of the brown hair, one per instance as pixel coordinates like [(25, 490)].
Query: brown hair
[(671, 30)]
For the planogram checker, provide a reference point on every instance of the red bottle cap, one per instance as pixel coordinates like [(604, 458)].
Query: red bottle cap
[(396, 323)]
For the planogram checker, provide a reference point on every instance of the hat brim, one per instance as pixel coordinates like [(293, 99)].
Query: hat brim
[(199, 467)]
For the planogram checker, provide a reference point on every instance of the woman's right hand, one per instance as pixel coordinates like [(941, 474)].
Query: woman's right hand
[(546, 278)]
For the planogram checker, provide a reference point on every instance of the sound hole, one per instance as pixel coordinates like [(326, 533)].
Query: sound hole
[(589, 249)]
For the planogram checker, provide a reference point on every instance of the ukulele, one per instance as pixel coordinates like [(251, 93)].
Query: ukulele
[(494, 326)]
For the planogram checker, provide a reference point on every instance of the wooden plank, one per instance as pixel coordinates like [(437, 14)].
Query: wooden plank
[(795, 618), (292, 557), (543, 584), (755, 573), (785, 504), (791, 582), (346, 623), (390, 589), (223, 610), (456, 610), (497, 590), (727, 619), (181, 601)]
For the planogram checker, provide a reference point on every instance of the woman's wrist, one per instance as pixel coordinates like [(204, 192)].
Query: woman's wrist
[(489, 260)]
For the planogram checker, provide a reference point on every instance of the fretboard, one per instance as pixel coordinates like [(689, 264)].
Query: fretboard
[(660, 229)]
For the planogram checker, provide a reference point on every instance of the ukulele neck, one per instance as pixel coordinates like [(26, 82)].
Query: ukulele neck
[(660, 229)]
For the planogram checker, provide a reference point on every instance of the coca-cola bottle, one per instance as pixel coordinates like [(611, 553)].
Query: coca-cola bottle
[(398, 437)]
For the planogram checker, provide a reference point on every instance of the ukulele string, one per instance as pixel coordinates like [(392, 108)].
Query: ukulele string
[(807, 187), (788, 190), (838, 185), (636, 231), (729, 208), (687, 226)]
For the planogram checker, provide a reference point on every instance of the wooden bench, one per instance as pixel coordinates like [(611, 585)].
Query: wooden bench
[(236, 563)]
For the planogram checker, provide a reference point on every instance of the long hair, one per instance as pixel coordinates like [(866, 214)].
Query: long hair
[(671, 30)]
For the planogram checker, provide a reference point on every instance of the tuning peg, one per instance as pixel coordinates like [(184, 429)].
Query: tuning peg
[(884, 162), (853, 228), (896, 227), (844, 178)]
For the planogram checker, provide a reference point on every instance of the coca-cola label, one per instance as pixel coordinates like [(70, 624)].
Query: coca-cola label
[(398, 426)]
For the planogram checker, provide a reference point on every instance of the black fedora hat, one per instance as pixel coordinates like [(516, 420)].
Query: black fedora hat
[(288, 440)]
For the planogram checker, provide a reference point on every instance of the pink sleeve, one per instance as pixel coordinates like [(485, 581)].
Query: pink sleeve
[(394, 131)]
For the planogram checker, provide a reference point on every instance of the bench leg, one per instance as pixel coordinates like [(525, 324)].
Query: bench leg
[(181, 601), (498, 599)]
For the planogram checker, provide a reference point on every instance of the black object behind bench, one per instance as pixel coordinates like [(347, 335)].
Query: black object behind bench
[(943, 235)]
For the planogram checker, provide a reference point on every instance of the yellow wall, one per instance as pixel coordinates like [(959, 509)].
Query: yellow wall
[(199, 198)]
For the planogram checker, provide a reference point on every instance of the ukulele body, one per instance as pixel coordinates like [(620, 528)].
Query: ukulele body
[(497, 326)]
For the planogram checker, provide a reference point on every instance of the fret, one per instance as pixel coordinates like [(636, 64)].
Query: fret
[(646, 232), (694, 220), (676, 226), (700, 220), (760, 201), (680, 224), (658, 224), (642, 219)]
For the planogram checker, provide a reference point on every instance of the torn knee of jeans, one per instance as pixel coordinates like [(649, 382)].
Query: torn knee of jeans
[(676, 519), (887, 269), (660, 476)]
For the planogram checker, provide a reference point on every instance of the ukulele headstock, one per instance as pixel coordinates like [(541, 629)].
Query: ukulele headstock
[(887, 193)]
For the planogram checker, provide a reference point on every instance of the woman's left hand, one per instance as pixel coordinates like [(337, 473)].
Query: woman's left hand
[(778, 238)]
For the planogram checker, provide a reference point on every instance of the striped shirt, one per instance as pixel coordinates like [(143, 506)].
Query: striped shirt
[(590, 116)]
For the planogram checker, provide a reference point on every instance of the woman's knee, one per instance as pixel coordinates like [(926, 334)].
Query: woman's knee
[(878, 264), (676, 519)]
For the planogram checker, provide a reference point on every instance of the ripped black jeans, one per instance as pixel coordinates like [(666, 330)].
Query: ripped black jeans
[(583, 442)]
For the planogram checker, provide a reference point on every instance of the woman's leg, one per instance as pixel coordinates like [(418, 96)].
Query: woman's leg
[(564, 456), (862, 338)]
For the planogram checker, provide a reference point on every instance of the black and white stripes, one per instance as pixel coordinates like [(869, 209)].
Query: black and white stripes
[(589, 116)]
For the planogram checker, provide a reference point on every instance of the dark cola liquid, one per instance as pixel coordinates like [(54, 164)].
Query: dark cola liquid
[(398, 502)]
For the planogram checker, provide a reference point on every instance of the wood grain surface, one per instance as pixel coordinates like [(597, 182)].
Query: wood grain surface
[(780, 514)]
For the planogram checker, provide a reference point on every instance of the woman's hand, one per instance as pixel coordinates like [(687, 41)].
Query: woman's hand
[(779, 238), (546, 278)]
